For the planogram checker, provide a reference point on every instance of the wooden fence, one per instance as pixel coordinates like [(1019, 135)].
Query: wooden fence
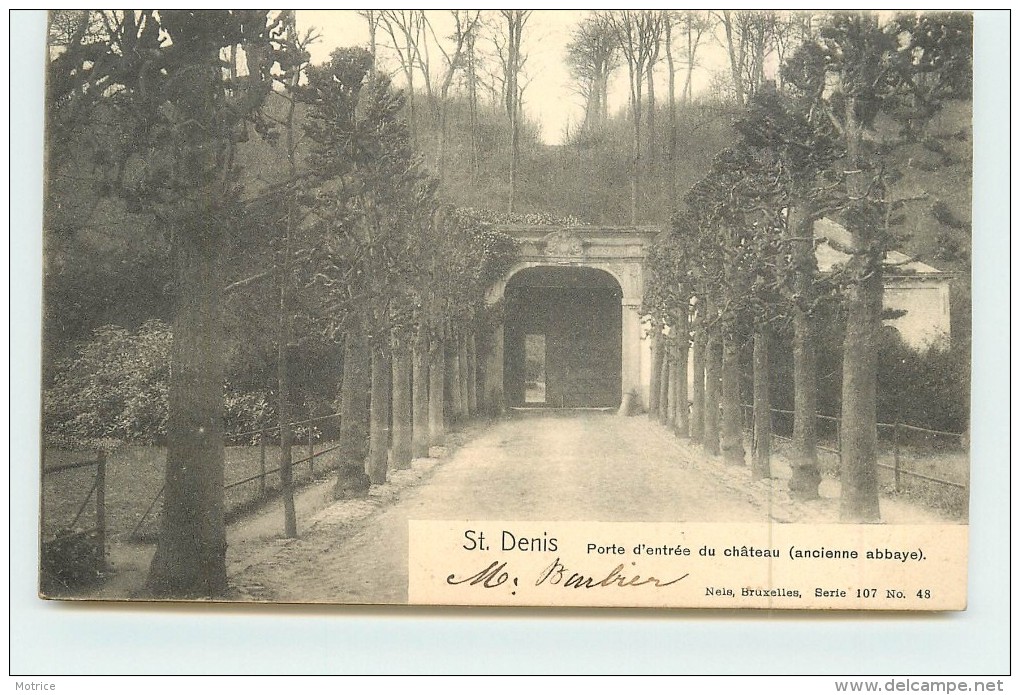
[(898, 430), (261, 437), (71, 556), (98, 490)]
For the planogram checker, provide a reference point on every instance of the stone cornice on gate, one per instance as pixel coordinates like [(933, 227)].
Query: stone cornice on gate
[(620, 251), (556, 241)]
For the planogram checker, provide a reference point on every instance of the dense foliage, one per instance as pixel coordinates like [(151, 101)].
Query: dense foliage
[(115, 386), (927, 388)]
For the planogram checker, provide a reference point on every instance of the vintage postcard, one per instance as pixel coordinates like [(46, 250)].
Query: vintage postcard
[(630, 308)]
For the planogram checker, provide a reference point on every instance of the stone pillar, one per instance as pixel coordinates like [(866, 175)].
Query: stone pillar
[(631, 348)]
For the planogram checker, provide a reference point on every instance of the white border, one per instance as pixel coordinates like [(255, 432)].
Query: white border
[(51, 638)]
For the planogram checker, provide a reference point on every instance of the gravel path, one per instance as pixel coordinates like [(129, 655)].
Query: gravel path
[(535, 466)]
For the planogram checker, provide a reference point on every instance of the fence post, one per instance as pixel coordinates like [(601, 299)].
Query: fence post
[(262, 462), (896, 453), (101, 506), (311, 452)]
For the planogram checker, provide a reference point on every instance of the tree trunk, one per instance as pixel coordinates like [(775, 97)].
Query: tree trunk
[(352, 481), (687, 95), (671, 392), (672, 118), (472, 76), (654, 390), (373, 25), (592, 107), (464, 366), (650, 71), (402, 453), (635, 176), (683, 415), (806, 476), (437, 377), (454, 387), (732, 430), (698, 380), (713, 359), (443, 108), (761, 448), (604, 99), (420, 402), (379, 420), (190, 557), (284, 318), (472, 381), (493, 382), (286, 432), (515, 146), (736, 64), (514, 28), (859, 435), (664, 372)]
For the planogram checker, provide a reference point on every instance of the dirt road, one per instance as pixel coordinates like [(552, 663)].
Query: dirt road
[(535, 466)]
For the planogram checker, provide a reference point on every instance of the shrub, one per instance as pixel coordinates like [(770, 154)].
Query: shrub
[(930, 388), (71, 560), (116, 386), (247, 411)]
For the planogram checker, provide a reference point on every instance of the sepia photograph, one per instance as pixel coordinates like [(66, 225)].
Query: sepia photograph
[(538, 308)]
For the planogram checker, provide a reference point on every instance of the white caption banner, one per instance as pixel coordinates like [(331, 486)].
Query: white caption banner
[(681, 565)]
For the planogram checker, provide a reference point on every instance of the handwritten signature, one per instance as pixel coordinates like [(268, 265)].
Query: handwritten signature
[(557, 574)]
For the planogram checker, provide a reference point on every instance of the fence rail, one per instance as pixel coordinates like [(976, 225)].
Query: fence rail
[(274, 428), (262, 474), (263, 435), (97, 490), (896, 427)]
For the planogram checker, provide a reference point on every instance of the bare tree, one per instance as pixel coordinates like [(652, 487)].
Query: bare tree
[(668, 21), (654, 38), (454, 58), (592, 55), (406, 29), (750, 39), (513, 65), (372, 18), (471, 60), (792, 30), (695, 25), (635, 32)]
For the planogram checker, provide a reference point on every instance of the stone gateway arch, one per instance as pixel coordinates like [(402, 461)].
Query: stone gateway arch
[(572, 334)]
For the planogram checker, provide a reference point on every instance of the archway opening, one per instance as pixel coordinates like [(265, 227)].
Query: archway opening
[(563, 338)]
